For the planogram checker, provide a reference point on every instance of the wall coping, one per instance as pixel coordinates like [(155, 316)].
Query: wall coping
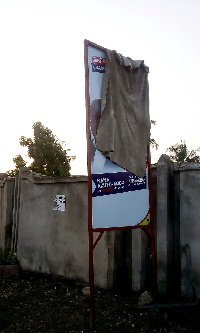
[(182, 167), (3, 180), (186, 166), (38, 179)]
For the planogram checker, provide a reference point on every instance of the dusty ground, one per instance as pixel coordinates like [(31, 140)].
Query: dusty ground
[(38, 303)]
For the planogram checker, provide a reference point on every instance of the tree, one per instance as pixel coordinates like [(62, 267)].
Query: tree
[(179, 153), (153, 142), (19, 163), (47, 152)]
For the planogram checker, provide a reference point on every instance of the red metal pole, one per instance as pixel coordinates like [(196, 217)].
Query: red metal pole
[(91, 279), (90, 229)]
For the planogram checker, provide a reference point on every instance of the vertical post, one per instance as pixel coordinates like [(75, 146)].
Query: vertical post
[(90, 229), (154, 265), (91, 278), (136, 259), (153, 244), (165, 227)]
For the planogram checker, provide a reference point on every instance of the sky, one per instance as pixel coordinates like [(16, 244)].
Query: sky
[(42, 74)]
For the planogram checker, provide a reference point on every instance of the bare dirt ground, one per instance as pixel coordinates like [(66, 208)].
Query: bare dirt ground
[(44, 304)]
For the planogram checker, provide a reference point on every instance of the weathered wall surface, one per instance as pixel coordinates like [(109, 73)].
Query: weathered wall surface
[(178, 229), (165, 223), (6, 210), (54, 241), (57, 241), (190, 228)]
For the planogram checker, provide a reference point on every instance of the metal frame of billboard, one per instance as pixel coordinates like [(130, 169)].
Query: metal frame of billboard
[(148, 229)]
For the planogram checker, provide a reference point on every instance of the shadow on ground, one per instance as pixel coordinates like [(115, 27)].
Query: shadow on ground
[(42, 303)]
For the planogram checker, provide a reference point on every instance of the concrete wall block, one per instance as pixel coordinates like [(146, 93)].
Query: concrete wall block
[(165, 237), (136, 259), (187, 283), (6, 206), (189, 223), (54, 241), (57, 241)]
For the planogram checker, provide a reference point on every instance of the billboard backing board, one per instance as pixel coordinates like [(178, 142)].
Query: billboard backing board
[(120, 199)]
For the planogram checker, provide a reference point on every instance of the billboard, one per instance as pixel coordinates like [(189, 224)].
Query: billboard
[(119, 198)]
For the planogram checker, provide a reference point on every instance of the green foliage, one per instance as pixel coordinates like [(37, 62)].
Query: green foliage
[(46, 151), (153, 142), (8, 257), (19, 162), (48, 155), (179, 153)]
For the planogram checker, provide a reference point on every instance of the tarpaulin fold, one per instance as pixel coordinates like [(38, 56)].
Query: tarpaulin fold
[(123, 133)]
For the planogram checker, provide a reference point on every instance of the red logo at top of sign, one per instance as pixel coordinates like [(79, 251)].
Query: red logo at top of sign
[(98, 61)]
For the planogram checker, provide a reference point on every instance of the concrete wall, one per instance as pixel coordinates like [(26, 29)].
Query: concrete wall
[(6, 209), (165, 226), (190, 229), (178, 229), (56, 242), (176, 195)]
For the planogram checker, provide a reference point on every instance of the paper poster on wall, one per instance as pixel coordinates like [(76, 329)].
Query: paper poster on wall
[(119, 198), (60, 201)]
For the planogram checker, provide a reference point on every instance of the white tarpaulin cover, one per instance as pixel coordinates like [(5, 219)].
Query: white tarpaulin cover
[(123, 133)]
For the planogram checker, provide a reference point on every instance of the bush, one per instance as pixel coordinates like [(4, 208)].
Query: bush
[(8, 257)]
